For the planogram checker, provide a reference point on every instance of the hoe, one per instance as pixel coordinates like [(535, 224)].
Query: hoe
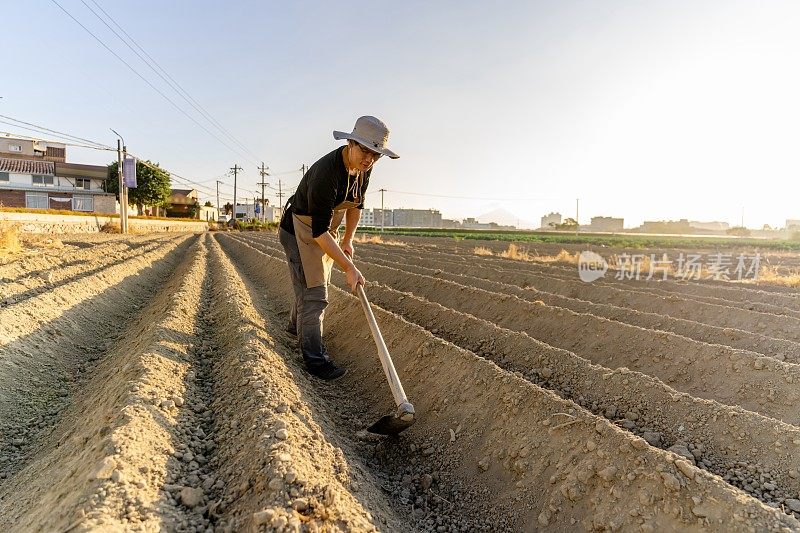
[(403, 418)]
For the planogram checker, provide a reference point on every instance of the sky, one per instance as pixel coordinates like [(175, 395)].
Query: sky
[(647, 110)]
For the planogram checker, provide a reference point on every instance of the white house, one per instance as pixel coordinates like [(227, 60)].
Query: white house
[(39, 184)]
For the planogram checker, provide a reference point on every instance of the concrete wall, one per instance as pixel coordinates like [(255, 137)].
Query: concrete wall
[(105, 204), (56, 224), (25, 145), (10, 198)]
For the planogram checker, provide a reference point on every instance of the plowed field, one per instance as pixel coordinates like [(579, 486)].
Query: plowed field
[(147, 384)]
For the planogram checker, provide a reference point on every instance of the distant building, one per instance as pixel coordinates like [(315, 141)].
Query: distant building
[(367, 218), (184, 203), (31, 149), (607, 224), (450, 224), (35, 175), (383, 217), (245, 212), (376, 217), (273, 213), (710, 226), (209, 214), (666, 226), (417, 218), (793, 224), (471, 223), (551, 220)]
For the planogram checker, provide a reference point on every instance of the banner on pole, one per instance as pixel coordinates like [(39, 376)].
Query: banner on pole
[(129, 172)]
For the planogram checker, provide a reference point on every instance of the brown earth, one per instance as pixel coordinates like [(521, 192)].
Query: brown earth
[(147, 384)]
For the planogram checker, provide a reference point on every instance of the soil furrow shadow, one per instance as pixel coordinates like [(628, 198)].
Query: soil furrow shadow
[(21, 297), (47, 367)]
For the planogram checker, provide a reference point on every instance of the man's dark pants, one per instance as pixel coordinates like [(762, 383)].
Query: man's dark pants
[(308, 309)]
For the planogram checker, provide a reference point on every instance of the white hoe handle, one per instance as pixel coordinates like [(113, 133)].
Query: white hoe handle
[(386, 360)]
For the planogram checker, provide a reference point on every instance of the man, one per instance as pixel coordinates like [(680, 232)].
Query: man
[(331, 191)]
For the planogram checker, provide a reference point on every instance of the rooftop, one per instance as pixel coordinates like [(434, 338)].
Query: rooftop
[(21, 166)]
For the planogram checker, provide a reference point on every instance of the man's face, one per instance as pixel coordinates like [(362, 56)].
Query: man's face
[(362, 157)]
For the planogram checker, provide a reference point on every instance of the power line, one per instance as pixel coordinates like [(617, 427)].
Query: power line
[(156, 89), (175, 176), (466, 197), (215, 178), (285, 172), (285, 189), (11, 133), (171, 81), (58, 133), (99, 146)]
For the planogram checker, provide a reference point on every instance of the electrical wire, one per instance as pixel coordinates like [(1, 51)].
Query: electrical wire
[(198, 185), (57, 133), (285, 172), (466, 197), (148, 82), (94, 145), (21, 136), (171, 81)]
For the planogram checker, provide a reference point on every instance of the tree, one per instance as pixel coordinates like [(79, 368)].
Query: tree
[(207, 204), (738, 231), (569, 223), (228, 208), (153, 186)]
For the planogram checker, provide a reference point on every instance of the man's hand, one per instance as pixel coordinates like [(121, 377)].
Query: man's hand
[(354, 278), (347, 248)]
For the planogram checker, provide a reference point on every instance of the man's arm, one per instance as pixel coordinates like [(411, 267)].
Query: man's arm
[(352, 216), (331, 247)]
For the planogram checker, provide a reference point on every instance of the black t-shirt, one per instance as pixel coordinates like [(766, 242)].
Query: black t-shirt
[(325, 185)]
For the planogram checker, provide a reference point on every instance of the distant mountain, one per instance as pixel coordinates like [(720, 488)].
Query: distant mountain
[(505, 218)]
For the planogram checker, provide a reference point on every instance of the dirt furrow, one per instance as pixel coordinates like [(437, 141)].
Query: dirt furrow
[(96, 462), (284, 460), (36, 282), (37, 262), (780, 326), (722, 439), (780, 349), (742, 293), (531, 273), (783, 350), (537, 460), (45, 348), (717, 372), (733, 377)]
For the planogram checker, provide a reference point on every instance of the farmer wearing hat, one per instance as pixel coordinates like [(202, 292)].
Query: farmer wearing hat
[(331, 191)]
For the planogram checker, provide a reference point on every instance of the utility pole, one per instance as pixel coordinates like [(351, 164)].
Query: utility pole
[(577, 203), (124, 187), (218, 182), (121, 187), (123, 212), (236, 168), (280, 197), (264, 173), (303, 170), (383, 213)]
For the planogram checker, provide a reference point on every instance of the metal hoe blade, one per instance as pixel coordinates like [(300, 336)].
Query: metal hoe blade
[(394, 424)]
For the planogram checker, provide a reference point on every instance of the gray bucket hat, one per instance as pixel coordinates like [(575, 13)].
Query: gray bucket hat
[(370, 132)]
